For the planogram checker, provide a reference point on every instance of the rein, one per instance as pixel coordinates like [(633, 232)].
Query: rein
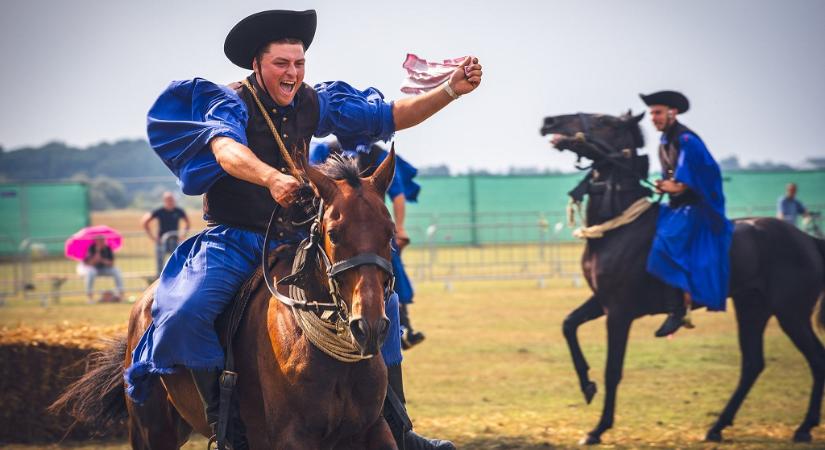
[(605, 150), (331, 315)]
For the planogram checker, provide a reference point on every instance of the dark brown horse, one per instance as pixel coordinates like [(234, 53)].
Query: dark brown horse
[(291, 394), (776, 270)]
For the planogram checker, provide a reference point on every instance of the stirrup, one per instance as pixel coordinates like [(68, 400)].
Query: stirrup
[(212, 444)]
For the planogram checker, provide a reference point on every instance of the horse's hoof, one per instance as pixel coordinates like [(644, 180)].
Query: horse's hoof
[(589, 391), (713, 436), (802, 436), (590, 439)]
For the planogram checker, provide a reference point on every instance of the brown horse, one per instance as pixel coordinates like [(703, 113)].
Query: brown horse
[(776, 270), (291, 395)]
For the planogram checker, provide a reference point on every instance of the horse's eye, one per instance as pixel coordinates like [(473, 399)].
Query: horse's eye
[(333, 236)]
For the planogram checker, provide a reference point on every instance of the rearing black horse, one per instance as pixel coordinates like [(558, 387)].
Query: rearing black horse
[(776, 270)]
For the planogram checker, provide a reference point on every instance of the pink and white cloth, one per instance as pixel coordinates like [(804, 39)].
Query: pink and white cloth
[(423, 75)]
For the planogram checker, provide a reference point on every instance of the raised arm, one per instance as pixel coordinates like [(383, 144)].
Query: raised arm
[(409, 112), (399, 211), (240, 162)]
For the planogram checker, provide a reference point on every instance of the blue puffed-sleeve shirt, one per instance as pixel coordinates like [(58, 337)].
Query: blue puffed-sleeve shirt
[(189, 113)]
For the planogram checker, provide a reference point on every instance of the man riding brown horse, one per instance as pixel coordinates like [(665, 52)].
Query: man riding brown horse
[(221, 142)]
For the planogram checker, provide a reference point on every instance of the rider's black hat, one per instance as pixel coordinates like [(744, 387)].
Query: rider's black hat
[(671, 99), (250, 34)]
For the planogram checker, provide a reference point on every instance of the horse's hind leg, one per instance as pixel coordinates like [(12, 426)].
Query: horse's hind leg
[(589, 310), (798, 328), (156, 424), (751, 321)]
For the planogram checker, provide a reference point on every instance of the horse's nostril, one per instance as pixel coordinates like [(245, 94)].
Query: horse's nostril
[(359, 328), (383, 325)]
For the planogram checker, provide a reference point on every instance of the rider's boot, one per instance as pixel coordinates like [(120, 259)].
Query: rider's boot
[(676, 309), (208, 384), (396, 415), (410, 337)]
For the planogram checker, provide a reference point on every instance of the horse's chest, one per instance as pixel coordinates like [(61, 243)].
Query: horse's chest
[(337, 408)]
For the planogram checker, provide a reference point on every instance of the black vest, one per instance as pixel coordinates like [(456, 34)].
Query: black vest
[(669, 159), (241, 204)]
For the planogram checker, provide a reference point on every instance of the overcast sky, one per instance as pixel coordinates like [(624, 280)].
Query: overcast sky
[(86, 71)]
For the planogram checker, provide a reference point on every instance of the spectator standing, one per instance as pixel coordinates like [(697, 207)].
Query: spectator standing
[(100, 261), (168, 217), (788, 208)]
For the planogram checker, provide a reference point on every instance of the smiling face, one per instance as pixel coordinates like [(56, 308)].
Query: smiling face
[(281, 65), (662, 116)]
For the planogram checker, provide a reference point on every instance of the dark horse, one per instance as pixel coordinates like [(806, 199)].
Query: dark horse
[(291, 395), (776, 270)]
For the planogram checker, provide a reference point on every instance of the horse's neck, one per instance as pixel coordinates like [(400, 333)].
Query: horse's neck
[(614, 200)]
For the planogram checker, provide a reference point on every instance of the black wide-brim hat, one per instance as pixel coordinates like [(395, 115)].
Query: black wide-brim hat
[(671, 99), (247, 38)]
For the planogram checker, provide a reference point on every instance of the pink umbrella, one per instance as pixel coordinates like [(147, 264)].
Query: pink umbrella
[(78, 244)]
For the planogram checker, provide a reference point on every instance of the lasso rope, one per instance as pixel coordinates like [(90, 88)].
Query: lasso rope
[(627, 216), (333, 338)]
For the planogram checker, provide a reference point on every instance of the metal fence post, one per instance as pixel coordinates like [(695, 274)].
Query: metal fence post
[(473, 210)]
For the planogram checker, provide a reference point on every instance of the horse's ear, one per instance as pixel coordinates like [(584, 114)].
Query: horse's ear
[(637, 118), (382, 177), (323, 185)]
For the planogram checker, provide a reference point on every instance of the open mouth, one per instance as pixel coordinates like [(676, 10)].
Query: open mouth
[(287, 87)]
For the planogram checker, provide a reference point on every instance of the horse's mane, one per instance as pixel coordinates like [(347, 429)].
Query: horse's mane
[(340, 167), (638, 137)]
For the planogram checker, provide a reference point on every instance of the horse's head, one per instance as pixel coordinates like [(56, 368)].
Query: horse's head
[(356, 227), (594, 136), (611, 144)]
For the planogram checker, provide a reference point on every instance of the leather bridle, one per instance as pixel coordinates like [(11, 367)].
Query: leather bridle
[(312, 245)]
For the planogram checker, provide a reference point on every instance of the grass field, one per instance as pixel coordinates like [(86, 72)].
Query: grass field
[(494, 373)]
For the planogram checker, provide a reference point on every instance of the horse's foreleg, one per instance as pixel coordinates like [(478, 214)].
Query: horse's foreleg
[(379, 436), (589, 310), (618, 328), (751, 323), (798, 328)]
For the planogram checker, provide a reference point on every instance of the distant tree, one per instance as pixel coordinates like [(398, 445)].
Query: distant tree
[(107, 193), (816, 163), (730, 163), (523, 171), (439, 170), (769, 166)]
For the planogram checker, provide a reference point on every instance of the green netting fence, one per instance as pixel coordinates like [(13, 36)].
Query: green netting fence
[(482, 209), (41, 210)]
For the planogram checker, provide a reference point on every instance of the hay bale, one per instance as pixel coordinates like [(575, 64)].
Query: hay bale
[(35, 366)]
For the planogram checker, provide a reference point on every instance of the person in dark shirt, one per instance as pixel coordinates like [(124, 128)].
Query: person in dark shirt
[(100, 261), (168, 235)]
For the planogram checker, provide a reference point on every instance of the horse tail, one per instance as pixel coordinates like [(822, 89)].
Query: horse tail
[(98, 398), (820, 244)]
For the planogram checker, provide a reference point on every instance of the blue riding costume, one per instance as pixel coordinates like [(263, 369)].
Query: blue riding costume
[(204, 273), (693, 236)]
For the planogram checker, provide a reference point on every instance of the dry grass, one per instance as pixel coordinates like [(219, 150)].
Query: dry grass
[(494, 373)]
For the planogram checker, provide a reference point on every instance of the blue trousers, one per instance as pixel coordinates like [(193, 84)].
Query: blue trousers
[(403, 285), (196, 286)]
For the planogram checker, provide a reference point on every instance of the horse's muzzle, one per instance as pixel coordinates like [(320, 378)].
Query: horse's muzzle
[(369, 337)]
